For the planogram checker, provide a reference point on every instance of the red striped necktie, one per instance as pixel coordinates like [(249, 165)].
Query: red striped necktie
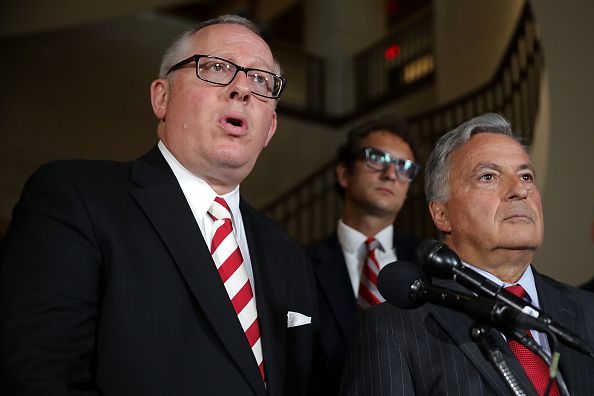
[(368, 293), (229, 261), (536, 368)]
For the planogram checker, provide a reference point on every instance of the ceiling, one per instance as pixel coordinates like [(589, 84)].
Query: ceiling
[(24, 17)]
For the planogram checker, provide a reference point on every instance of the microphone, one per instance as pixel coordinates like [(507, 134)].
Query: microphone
[(405, 285), (439, 260)]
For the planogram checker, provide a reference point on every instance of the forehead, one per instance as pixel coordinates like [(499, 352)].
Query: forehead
[(389, 142), (491, 148), (234, 42)]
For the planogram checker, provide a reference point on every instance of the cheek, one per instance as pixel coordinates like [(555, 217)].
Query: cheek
[(359, 187), (402, 188), (265, 123), (539, 213), (537, 203), (465, 216), (190, 103)]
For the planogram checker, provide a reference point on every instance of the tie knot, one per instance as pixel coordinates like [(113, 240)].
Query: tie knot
[(371, 243), (219, 209), (517, 291)]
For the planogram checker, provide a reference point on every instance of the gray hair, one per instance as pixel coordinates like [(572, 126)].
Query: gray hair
[(179, 47), (438, 168)]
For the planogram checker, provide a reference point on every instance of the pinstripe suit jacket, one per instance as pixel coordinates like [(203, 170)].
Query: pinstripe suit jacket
[(428, 350)]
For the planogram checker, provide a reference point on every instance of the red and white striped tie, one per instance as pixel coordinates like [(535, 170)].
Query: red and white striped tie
[(368, 293), (229, 261)]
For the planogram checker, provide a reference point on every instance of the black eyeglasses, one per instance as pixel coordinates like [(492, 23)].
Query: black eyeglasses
[(380, 160), (220, 71)]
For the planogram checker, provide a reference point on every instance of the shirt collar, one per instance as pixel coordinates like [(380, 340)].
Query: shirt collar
[(198, 192), (526, 281), (351, 239)]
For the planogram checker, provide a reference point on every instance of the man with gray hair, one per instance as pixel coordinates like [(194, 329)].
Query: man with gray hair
[(154, 277), (481, 188)]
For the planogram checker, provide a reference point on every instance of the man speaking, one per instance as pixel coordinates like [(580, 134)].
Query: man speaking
[(481, 188)]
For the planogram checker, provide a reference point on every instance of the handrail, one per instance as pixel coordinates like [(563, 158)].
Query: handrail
[(309, 211)]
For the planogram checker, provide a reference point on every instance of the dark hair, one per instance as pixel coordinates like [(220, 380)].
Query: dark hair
[(347, 152)]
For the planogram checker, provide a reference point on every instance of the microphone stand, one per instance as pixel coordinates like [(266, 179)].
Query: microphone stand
[(551, 360), (494, 355)]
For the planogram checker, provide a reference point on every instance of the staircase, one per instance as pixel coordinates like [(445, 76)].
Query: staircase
[(309, 211)]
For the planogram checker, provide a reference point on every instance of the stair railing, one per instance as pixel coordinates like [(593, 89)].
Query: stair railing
[(309, 211)]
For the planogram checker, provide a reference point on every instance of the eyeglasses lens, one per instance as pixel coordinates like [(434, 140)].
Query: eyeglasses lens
[(220, 71), (380, 160)]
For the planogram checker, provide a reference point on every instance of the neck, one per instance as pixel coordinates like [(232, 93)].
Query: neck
[(507, 265), (510, 273), (368, 225)]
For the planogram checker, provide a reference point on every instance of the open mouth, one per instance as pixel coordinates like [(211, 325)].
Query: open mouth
[(236, 122)]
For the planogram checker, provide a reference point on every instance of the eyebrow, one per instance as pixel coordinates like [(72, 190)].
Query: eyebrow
[(491, 165), (258, 60), (528, 167)]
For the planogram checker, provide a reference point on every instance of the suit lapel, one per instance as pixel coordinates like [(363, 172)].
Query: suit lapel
[(270, 285), (161, 198), (572, 364), (335, 283), (406, 247), (458, 325)]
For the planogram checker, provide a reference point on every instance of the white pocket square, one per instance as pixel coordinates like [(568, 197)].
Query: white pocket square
[(295, 319)]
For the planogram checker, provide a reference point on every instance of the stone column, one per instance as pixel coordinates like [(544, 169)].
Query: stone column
[(337, 30)]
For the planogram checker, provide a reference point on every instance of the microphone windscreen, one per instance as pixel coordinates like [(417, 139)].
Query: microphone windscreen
[(425, 249), (394, 282)]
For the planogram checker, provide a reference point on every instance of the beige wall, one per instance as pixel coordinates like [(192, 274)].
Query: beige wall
[(297, 150), (77, 93), (82, 92), (566, 29), (471, 36), (336, 30)]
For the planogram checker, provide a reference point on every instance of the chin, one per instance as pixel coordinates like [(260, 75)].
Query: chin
[(230, 156), (519, 243)]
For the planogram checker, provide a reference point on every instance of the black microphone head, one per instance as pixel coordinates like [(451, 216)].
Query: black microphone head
[(426, 248), (437, 258), (395, 280)]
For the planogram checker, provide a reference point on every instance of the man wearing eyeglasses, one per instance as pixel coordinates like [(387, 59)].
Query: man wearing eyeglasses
[(482, 195), (374, 171), (153, 277)]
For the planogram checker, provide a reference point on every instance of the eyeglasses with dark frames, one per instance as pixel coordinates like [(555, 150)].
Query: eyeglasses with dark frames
[(220, 71), (380, 160)]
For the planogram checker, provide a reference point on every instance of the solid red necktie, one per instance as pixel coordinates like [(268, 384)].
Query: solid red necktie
[(368, 293), (536, 368), (229, 261)]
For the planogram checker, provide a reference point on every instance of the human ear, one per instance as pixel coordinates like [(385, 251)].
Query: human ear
[(271, 130), (440, 216), (160, 98), (342, 174)]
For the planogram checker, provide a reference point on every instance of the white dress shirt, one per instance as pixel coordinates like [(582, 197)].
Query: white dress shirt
[(200, 196), (353, 247), (527, 282)]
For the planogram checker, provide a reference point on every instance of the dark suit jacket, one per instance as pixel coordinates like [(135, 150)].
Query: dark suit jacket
[(338, 304), (428, 350), (588, 286), (108, 288)]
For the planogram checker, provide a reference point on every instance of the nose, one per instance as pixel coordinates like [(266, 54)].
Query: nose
[(517, 189), (239, 88), (390, 172)]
